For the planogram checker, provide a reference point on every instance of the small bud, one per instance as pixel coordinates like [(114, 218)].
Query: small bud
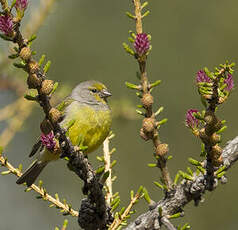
[(216, 149), (21, 4), (147, 100), (215, 138), (55, 114), (46, 87), (209, 119), (216, 155), (230, 83), (162, 149), (203, 135), (57, 147), (222, 99), (206, 96), (191, 121), (195, 132), (6, 25), (33, 67), (143, 135), (202, 77), (220, 160), (46, 126), (25, 53), (48, 141), (33, 81), (148, 125), (141, 44), (218, 126)]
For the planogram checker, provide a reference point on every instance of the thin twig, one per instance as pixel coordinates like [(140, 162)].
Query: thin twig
[(65, 207), (153, 135), (107, 159), (138, 16), (117, 221)]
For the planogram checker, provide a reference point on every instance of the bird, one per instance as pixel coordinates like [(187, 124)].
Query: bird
[(87, 111)]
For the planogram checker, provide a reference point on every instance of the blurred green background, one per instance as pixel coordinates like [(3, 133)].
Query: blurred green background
[(83, 39)]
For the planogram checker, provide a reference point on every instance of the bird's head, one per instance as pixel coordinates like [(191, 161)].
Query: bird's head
[(91, 92)]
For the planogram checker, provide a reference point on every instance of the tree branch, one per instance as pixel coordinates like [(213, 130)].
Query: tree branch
[(39, 189), (185, 192)]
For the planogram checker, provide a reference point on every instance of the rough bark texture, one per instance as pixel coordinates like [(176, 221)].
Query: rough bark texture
[(185, 192)]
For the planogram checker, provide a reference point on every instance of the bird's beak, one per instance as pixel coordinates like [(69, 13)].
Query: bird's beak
[(105, 93)]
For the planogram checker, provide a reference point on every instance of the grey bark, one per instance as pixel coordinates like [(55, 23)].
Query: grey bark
[(185, 192)]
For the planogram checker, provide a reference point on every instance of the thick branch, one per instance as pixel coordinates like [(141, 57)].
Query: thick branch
[(183, 193)]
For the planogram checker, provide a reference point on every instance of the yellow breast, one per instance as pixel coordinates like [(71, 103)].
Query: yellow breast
[(91, 126)]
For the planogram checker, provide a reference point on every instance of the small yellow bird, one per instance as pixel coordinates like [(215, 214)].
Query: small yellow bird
[(87, 111)]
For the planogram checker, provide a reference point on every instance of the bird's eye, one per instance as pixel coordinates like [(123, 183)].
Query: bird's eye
[(94, 90)]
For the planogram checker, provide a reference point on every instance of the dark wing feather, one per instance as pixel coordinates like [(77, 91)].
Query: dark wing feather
[(35, 147)]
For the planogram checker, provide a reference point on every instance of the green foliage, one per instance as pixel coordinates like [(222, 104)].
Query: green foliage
[(201, 169), (176, 215), (221, 169), (185, 175), (131, 86), (100, 169), (20, 65), (203, 151), (41, 59), (157, 184), (128, 49), (104, 177), (13, 56), (146, 14), (130, 15), (220, 175), (154, 84), (162, 122), (184, 227), (221, 130), (32, 95), (55, 86), (47, 67), (32, 38), (194, 162), (5, 37), (189, 170), (12, 5), (115, 203), (146, 195), (176, 178), (160, 110)]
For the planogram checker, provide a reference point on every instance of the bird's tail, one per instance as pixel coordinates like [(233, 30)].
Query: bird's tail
[(30, 175)]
